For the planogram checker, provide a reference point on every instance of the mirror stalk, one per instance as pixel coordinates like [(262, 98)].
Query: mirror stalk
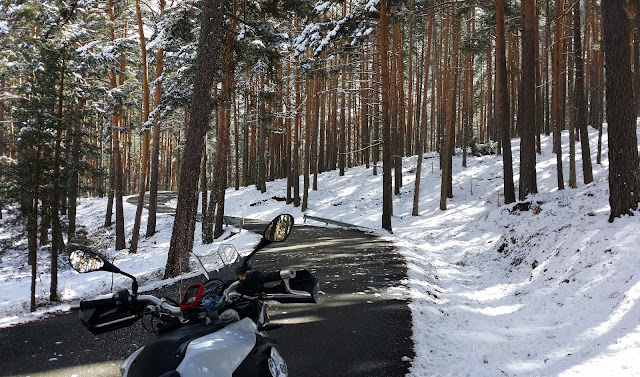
[(134, 284), (245, 263), (277, 231)]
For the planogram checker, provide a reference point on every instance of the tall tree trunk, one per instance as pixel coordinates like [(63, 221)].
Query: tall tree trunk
[(206, 63), (467, 120), (262, 142), (558, 98), (595, 78), (296, 144), (570, 52), (547, 86), (207, 220), (146, 136), (57, 242), (118, 179), (387, 194), (307, 143), (364, 106), (624, 169), (451, 86), (322, 158), (502, 105), (636, 54), (581, 106), (116, 120), (343, 119), (236, 129), (491, 133), (422, 130), (75, 166), (399, 110), (224, 128), (289, 131), (33, 231), (314, 132), (528, 184), (409, 132), (539, 88), (110, 190), (154, 180)]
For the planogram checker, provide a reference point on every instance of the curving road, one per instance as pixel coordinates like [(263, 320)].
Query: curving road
[(361, 327)]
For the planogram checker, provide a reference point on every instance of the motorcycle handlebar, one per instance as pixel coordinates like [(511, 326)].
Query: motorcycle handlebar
[(253, 282), (269, 277), (104, 303), (119, 298), (148, 299), (123, 297)]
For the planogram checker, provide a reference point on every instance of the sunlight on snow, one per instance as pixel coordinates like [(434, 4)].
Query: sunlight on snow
[(628, 304), (493, 293)]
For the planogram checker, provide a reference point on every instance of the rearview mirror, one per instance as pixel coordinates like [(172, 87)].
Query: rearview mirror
[(279, 228), (87, 261)]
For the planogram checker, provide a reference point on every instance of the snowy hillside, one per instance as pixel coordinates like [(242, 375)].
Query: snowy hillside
[(496, 291)]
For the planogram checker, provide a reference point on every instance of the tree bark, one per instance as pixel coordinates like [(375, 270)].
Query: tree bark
[(33, 231), (307, 143), (399, 110), (206, 64), (528, 183), (57, 242), (422, 129), (224, 129), (387, 194), (296, 143), (154, 180), (502, 105), (288, 139), (624, 170), (146, 136), (558, 98), (75, 166), (581, 106), (108, 220), (451, 86), (116, 120)]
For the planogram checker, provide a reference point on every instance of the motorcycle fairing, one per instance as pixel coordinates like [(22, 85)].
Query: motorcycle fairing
[(219, 354), (166, 352), (263, 361), (124, 368)]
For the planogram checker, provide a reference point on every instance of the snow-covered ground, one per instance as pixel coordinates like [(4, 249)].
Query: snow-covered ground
[(549, 291)]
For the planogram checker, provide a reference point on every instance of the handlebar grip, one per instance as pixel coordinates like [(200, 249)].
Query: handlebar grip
[(269, 277), (253, 282), (98, 304)]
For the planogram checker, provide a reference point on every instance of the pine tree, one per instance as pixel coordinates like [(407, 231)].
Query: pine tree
[(502, 104), (528, 182), (624, 167), (206, 64), (581, 106)]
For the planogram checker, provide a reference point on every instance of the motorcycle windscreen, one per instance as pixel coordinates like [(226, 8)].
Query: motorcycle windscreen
[(220, 264)]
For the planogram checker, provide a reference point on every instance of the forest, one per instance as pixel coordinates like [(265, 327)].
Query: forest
[(122, 97)]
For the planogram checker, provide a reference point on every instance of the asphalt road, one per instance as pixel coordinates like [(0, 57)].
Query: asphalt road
[(361, 327)]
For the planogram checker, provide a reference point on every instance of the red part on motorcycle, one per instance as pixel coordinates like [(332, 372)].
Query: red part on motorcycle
[(192, 297)]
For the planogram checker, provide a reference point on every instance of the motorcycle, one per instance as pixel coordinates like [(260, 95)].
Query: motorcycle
[(219, 327)]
